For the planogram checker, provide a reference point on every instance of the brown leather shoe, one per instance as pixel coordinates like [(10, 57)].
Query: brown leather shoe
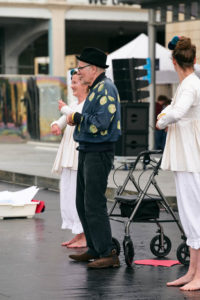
[(82, 257), (106, 262)]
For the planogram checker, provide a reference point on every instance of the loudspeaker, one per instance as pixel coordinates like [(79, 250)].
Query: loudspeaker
[(135, 123), (131, 144), (135, 117), (129, 79)]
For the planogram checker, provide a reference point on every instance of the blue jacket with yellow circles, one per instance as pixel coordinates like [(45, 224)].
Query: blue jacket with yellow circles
[(100, 118)]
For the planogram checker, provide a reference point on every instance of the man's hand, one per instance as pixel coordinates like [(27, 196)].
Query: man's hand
[(61, 104), (70, 120), (55, 129)]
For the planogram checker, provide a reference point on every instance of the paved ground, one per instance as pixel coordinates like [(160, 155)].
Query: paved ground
[(35, 267), (35, 158)]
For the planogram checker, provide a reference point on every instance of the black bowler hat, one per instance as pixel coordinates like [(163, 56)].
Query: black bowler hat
[(94, 57)]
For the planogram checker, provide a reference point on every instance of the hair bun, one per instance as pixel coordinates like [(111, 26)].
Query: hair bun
[(184, 52), (184, 43), (173, 42)]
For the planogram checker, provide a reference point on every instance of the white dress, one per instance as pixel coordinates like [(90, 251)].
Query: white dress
[(182, 153), (66, 164), (182, 117)]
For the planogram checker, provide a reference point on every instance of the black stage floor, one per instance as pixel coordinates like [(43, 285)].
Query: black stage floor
[(34, 266)]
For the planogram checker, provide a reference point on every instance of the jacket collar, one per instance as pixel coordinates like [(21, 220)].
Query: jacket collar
[(98, 79)]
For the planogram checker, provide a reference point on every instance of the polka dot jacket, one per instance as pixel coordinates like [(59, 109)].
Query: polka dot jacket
[(100, 118)]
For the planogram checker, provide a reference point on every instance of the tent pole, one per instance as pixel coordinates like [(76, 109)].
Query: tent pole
[(152, 98)]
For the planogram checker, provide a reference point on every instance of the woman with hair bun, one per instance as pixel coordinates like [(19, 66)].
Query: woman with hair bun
[(182, 152)]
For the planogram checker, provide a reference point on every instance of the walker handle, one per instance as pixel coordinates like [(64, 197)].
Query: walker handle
[(143, 153)]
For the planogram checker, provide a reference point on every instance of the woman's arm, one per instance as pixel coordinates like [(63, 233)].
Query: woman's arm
[(177, 111), (61, 122), (64, 108)]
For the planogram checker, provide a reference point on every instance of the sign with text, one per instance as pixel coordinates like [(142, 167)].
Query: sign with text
[(97, 2)]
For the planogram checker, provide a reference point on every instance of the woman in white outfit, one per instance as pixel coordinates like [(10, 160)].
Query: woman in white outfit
[(182, 152), (66, 164)]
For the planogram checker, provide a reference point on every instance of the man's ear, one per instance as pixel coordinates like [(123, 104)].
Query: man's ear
[(94, 68), (195, 60)]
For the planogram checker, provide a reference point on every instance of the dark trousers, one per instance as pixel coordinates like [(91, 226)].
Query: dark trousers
[(160, 139), (91, 203)]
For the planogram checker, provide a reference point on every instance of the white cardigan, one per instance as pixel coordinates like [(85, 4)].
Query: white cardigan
[(182, 117), (67, 155)]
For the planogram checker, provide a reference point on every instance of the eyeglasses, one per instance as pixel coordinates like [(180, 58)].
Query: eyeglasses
[(80, 68)]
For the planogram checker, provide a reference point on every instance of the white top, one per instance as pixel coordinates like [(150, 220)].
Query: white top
[(67, 155), (182, 117), (66, 110)]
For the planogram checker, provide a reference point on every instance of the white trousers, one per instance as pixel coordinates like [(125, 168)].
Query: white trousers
[(188, 200), (70, 219)]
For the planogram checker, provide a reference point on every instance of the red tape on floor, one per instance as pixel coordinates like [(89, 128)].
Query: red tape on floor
[(157, 262)]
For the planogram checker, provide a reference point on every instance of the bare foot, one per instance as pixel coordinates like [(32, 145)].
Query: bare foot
[(79, 243), (193, 285), (66, 243), (181, 281), (71, 241), (79, 237)]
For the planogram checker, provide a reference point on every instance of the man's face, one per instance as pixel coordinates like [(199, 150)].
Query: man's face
[(85, 72)]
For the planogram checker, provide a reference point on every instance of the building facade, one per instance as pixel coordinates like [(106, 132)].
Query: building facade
[(56, 28), (185, 28)]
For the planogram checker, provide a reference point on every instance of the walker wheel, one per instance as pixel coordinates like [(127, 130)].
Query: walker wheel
[(116, 245), (156, 246), (183, 254), (128, 251)]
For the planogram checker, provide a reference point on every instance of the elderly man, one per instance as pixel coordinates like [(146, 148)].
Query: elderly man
[(97, 130)]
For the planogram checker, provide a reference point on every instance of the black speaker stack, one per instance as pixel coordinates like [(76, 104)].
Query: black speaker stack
[(135, 123), (129, 79), (134, 114)]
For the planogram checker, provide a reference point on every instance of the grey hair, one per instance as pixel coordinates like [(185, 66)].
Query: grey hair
[(100, 70)]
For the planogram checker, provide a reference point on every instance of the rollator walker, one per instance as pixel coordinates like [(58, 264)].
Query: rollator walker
[(142, 207)]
